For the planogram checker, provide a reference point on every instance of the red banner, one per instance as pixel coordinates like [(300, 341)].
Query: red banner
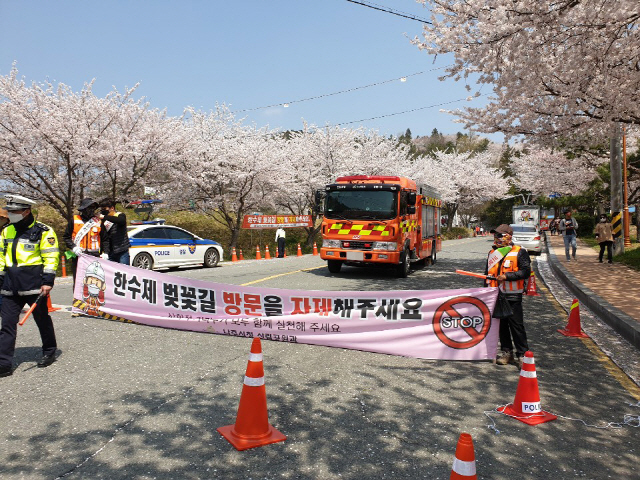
[(276, 221)]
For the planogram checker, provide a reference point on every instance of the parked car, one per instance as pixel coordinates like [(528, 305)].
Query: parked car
[(159, 246), (527, 236)]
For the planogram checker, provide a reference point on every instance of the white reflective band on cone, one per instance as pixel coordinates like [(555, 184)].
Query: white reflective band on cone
[(526, 374), (253, 382), (464, 468), (528, 360), (255, 357)]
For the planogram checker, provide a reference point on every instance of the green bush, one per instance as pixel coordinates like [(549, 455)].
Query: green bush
[(455, 232), (586, 224)]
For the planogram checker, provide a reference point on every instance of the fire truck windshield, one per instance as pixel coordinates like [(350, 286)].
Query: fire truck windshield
[(361, 204)]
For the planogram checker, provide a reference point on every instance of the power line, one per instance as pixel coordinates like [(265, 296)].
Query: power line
[(283, 104), (391, 11), (403, 112)]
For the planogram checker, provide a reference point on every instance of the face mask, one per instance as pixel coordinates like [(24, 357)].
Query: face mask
[(603, 220), (104, 212), (14, 217)]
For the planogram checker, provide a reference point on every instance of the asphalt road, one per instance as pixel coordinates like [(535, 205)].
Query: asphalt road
[(127, 401)]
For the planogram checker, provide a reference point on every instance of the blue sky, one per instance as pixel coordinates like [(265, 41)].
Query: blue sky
[(247, 54)]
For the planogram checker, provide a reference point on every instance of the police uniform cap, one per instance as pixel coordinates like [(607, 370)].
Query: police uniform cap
[(18, 202)]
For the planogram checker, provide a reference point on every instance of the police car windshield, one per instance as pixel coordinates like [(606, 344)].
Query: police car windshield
[(361, 204)]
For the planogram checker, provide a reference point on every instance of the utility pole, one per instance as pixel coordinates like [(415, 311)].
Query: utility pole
[(625, 197), (616, 189)]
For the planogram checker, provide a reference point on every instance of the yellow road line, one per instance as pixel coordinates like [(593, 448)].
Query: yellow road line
[(614, 370), (280, 275)]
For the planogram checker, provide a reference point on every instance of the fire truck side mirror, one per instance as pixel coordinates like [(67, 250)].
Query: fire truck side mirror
[(411, 209), (318, 207), (411, 199)]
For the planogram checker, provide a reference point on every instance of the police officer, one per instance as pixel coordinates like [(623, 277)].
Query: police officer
[(29, 259), (510, 265)]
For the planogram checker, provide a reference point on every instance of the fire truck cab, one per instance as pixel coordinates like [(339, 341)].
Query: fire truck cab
[(383, 220)]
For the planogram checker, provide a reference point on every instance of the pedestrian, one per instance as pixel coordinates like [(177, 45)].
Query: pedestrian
[(29, 258), (4, 221), (115, 224), (84, 234), (510, 265), (604, 234), (481, 231), (280, 240), (569, 229), (552, 226)]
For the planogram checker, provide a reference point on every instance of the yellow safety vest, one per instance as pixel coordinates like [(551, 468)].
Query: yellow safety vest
[(28, 260)]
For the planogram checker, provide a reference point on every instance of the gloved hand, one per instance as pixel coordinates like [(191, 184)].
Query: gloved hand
[(104, 256), (77, 251)]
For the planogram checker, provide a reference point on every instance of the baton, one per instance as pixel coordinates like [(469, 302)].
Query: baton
[(478, 275), (33, 307)]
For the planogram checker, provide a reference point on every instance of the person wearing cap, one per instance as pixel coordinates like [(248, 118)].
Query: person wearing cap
[(84, 234), (114, 224), (29, 257), (569, 229), (509, 268), (604, 233)]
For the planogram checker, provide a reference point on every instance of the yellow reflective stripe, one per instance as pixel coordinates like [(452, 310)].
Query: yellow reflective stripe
[(357, 227), (385, 234), (365, 232), (344, 232)]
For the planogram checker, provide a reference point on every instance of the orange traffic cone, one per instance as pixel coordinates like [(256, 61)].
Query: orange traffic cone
[(315, 248), (49, 306), (526, 404), (285, 253), (252, 428), (258, 255), (234, 257), (573, 328), (241, 255), (464, 463), (267, 255), (299, 251), (531, 286)]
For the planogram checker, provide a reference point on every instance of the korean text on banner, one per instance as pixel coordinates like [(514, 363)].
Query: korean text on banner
[(435, 324)]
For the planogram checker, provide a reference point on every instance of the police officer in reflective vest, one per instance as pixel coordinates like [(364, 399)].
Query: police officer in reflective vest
[(29, 259), (510, 265)]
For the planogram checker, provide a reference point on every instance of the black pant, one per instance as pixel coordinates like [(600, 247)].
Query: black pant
[(513, 326), (607, 244), (11, 308), (280, 247)]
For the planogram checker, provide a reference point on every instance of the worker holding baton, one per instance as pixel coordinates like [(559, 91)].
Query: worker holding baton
[(29, 259)]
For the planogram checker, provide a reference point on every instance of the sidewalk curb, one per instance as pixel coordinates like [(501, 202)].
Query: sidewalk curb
[(622, 323)]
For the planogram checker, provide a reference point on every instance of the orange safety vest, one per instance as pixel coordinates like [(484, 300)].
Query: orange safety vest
[(508, 264), (90, 243)]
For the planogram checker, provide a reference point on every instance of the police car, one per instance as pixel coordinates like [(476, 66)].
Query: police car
[(159, 246)]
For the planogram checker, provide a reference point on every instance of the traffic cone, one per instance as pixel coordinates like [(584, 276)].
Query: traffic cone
[(50, 307), (285, 252), (464, 463), (315, 248), (531, 286), (299, 251), (267, 255), (241, 255), (573, 328), (234, 257), (526, 404), (252, 428), (258, 255)]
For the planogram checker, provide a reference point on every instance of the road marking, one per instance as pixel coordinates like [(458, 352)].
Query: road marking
[(614, 370), (281, 275)]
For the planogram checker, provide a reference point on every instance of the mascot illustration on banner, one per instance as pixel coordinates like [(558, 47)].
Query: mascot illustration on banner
[(94, 285)]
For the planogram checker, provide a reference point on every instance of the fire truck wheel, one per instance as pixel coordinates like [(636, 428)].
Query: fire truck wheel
[(405, 266), (433, 254), (334, 266)]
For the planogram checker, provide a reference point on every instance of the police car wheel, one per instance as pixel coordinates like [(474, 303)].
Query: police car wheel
[(211, 258), (143, 260)]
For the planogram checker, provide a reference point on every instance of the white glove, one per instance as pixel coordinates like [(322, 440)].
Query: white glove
[(77, 251), (104, 256)]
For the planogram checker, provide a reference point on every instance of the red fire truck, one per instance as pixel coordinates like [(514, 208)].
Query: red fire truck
[(384, 220)]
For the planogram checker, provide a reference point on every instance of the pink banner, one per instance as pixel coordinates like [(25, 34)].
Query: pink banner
[(434, 324)]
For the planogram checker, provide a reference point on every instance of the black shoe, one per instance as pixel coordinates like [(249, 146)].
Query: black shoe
[(46, 360), (6, 371)]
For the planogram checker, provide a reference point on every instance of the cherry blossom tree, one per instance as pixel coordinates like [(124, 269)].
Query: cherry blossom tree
[(559, 69)]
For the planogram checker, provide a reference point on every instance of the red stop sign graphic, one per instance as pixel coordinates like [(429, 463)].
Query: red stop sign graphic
[(475, 336)]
